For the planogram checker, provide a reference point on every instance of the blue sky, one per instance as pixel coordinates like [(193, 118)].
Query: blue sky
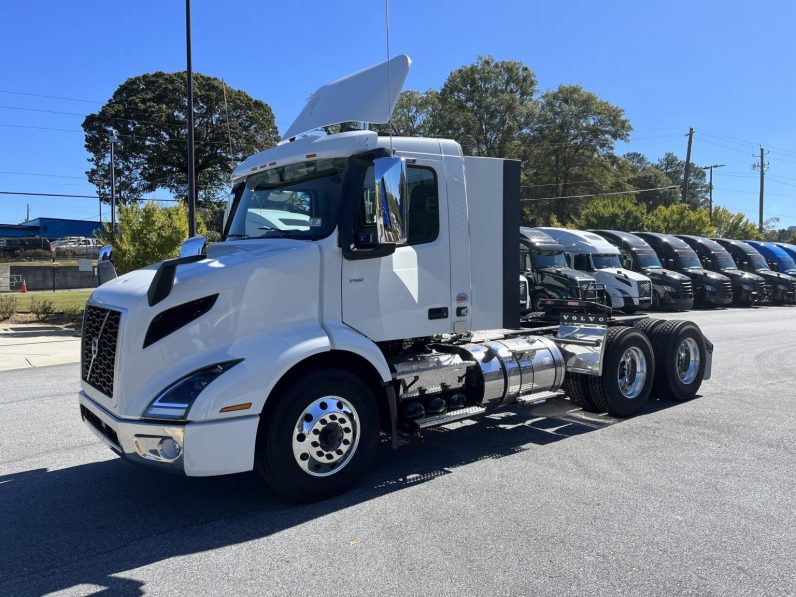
[(725, 68)]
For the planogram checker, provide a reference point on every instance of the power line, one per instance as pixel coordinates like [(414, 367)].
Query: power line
[(27, 194), (58, 97), (41, 174), (48, 128), (675, 186)]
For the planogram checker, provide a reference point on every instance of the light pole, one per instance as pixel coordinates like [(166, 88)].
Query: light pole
[(113, 140), (710, 188), (190, 154)]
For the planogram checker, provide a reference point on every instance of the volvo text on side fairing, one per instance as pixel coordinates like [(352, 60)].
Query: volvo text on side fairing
[(365, 285)]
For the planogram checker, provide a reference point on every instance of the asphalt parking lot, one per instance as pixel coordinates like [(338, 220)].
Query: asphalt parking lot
[(687, 498)]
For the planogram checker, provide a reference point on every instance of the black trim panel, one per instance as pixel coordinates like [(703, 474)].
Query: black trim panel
[(511, 240)]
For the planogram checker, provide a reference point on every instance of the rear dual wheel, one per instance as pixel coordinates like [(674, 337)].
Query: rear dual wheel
[(679, 348)]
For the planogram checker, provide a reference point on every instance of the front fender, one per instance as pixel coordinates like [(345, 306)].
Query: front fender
[(268, 357)]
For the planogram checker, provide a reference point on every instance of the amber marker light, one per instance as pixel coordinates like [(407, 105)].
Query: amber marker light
[(234, 407)]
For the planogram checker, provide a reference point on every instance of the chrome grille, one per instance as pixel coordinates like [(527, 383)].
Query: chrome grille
[(98, 347), (687, 289), (523, 292), (644, 289), (726, 287), (760, 286)]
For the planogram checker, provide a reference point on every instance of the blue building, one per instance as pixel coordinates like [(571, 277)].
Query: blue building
[(50, 228)]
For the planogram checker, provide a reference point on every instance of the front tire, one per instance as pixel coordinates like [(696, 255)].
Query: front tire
[(321, 437)]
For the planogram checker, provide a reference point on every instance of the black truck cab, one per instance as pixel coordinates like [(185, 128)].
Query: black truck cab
[(670, 289), (748, 259), (710, 288), (748, 288), (543, 264)]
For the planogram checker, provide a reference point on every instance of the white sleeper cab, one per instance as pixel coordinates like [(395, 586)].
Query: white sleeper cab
[(365, 286), (589, 252)]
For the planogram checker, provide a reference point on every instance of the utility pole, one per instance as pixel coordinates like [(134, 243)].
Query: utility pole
[(191, 181), (762, 189), (710, 188), (687, 164), (27, 212), (113, 139)]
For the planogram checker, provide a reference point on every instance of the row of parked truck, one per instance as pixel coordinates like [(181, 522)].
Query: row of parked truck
[(647, 270)]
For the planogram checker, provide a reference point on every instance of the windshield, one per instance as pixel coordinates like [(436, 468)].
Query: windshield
[(786, 264), (648, 259), (542, 260), (687, 258), (603, 261), (724, 262), (296, 201), (757, 263)]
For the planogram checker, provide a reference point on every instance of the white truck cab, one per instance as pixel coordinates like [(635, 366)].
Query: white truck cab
[(589, 252), (365, 285)]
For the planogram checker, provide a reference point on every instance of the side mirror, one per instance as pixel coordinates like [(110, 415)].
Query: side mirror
[(392, 198), (627, 263), (774, 266), (193, 246), (106, 271)]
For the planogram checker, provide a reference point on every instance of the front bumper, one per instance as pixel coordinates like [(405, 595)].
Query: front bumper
[(717, 299), (676, 303), (207, 448)]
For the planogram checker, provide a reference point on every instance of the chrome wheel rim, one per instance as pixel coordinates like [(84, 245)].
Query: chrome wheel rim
[(688, 361), (539, 306), (632, 372), (326, 436)]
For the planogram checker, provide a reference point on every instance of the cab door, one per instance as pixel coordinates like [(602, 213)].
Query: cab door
[(406, 294)]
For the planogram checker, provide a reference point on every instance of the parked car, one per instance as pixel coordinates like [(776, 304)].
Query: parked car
[(79, 246)]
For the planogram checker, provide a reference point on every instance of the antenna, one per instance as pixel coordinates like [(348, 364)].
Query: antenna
[(226, 109), (389, 111)]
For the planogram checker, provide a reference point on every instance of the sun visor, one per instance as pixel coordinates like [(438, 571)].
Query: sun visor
[(362, 96)]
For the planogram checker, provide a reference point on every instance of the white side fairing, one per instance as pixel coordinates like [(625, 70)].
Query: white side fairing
[(365, 96)]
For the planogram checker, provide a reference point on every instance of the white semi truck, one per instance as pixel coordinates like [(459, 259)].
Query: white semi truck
[(386, 305)]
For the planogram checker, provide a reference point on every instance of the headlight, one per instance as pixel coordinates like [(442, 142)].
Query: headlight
[(781, 287), (670, 289), (175, 400), (748, 288), (711, 289)]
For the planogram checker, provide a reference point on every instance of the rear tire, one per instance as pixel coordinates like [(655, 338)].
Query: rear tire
[(647, 325), (321, 437), (628, 373), (679, 348), (576, 387), (536, 299)]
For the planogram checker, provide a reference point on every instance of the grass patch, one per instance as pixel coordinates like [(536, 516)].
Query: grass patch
[(63, 300)]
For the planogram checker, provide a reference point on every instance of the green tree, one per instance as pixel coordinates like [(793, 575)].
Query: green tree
[(148, 234), (569, 150), (735, 225), (674, 169), (415, 112), (486, 105), (679, 218), (149, 113), (651, 177), (612, 213)]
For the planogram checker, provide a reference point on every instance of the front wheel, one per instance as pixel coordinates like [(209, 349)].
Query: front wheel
[(320, 438)]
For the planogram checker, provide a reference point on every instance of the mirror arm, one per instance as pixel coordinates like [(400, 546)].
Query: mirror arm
[(163, 282)]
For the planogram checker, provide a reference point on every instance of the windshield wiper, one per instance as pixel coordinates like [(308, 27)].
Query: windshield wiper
[(282, 233), (237, 236)]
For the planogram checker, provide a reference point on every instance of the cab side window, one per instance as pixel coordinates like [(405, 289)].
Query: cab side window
[(422, 220)]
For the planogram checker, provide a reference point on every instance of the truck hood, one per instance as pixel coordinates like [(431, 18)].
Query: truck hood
[(665, 276), (261, 286), (566, 274), (617, 273), (703, 276), (772, 277), (741, 277)]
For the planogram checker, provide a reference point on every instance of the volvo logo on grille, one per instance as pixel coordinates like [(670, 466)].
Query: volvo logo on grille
[(94, 347)]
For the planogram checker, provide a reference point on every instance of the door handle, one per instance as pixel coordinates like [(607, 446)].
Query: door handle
[(438, 313)]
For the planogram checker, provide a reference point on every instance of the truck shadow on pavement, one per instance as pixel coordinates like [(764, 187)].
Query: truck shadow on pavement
[(82, 527)]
